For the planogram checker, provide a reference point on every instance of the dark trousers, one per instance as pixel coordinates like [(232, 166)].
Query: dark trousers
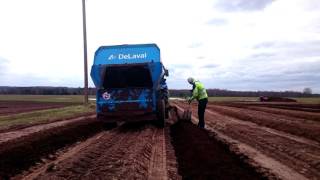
[(201, 109)]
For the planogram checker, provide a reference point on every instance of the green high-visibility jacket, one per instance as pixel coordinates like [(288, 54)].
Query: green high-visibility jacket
[(199, 92)]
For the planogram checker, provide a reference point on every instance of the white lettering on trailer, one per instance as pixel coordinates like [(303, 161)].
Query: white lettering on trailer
[(128, 56), (132, 56), (111, 57)]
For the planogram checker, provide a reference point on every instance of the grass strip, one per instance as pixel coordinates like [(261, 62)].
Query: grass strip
[(44, 98), (44, 115)]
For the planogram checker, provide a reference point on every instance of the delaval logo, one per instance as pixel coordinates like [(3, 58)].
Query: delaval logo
[(127, 56)]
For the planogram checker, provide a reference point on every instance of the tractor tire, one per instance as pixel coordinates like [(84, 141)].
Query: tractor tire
[(161, 113)]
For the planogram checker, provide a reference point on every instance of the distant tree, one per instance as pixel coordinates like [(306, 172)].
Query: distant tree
[(307, 91)]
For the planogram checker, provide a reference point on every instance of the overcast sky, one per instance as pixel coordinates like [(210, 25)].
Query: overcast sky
[(226, 44)]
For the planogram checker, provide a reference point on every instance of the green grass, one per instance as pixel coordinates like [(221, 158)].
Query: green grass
[(311, 100), (44, 98), (44, 115)]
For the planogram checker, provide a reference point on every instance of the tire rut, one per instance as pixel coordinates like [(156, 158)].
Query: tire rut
[(123, 153)]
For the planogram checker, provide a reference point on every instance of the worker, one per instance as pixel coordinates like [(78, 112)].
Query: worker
[(199, 93)]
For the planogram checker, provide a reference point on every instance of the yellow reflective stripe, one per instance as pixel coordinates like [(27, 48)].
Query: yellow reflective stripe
[(199, 91)]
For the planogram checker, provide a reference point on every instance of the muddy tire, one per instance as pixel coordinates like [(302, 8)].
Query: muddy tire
[(161, 113)]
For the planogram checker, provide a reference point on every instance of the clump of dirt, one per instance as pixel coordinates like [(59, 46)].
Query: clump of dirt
[(19, 154), (200, 156)]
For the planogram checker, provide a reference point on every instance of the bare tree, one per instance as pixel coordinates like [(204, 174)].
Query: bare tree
[(307, 90)]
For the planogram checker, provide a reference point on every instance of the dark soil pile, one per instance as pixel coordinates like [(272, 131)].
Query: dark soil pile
[(200, 156)]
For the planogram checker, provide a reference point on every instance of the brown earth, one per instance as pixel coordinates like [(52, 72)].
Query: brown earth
[(23, 148), (284, 109), (13, 107), (281, 105), (276, 139), (130, 151), (297, 126), (202, 157)]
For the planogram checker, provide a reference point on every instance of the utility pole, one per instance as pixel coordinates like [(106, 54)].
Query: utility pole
[(85, 52)]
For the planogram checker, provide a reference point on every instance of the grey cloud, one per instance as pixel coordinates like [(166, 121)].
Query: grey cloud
[(288, 44), (287, 50), (196, 45), (242, 5), (210, 66), (29, 79), (262, 56), (180, 66), (217, 22), (175, 68), (264, 45), (3, 65), (264, 76)]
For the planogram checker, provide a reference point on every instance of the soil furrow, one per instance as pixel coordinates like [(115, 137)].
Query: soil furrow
[(133, 152), (298, 153), (20, 153), (286, 112), (307, 129)]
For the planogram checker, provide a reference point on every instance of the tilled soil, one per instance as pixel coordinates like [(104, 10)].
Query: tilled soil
[(297, 126), (134, 152), (271, 140), (280, 105), (287, 112), (130, 151), (202, 157), (14, 107), (21, 149)]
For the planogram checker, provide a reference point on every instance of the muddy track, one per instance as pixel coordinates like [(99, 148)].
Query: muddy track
[(289, 156), (131, 151)]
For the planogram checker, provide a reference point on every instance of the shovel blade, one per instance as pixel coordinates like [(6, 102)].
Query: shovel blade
[(186, 116)]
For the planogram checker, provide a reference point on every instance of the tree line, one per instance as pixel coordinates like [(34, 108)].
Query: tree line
[(42, 90), (229, 93)]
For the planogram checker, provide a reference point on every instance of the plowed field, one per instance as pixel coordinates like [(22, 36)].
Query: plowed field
[(278, 137), (84, 149), (14, 107)]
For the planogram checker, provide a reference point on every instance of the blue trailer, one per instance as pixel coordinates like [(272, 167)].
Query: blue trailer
[(130, 83)]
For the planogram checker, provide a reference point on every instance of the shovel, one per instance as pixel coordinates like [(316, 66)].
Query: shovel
[(186, 115)]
